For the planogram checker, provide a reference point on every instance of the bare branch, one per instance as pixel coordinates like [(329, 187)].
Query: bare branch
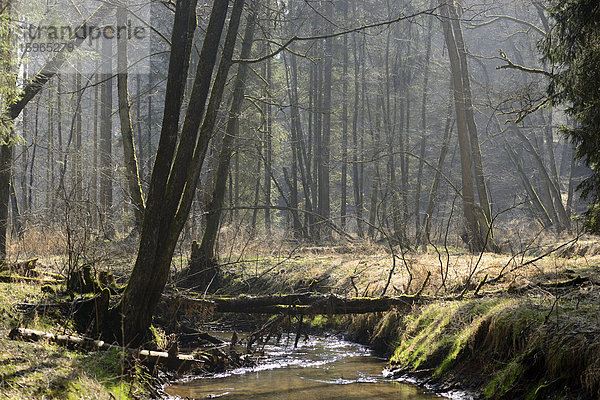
[(511, 65), (336, 34), (495, 18)]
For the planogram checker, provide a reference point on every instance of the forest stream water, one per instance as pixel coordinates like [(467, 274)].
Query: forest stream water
[(319, 368)]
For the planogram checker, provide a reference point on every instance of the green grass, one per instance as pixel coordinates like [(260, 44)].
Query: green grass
[(43, 370), (511, 347)]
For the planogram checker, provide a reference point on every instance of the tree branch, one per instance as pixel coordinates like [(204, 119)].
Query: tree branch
[(336, 34), (511, 65)]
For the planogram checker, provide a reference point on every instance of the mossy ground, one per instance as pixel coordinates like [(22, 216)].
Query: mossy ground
[(503, 347), (42, 370)]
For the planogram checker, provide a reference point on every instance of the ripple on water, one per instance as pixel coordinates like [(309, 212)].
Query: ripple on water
[(320, 368)]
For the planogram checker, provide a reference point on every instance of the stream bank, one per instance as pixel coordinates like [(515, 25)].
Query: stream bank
[(508, 347)]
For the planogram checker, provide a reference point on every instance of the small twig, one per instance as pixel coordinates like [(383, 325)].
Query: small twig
[(480, 285), (512, 65), (547, 317)]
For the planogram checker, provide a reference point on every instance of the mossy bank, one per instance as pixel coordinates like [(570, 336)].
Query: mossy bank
[(496, 348)]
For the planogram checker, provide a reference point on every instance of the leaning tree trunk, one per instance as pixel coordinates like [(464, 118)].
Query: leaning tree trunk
[(176, 169), (134, 188), (478, 227), (470, 115), (438, 173), (207, 246)]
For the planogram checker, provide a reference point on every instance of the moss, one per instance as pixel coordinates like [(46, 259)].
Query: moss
[(43, 370), (507, 345), (321, 321), (158, 337), (424, 336), (504, 381), (437, 336), (477, 312)]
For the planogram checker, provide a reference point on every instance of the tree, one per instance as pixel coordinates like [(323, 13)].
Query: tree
[(179, 158), (572, 49), (106, 162), (479, 228), (131, 165), (207, 246)]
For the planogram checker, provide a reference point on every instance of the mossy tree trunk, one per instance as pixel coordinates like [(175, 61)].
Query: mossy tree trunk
[(177, 166), (134, 188), (207, 245)]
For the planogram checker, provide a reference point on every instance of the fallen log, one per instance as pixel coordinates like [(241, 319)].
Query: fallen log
[(8, 278), (302, 303), (578, 280), (26, 267), (178, 363)]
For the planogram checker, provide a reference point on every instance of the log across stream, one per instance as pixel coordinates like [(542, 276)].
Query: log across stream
[(319, 368)]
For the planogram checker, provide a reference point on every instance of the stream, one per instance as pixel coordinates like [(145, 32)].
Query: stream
[(319, 368)]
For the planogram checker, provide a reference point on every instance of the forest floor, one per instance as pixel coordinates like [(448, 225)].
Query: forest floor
[(520, 325)]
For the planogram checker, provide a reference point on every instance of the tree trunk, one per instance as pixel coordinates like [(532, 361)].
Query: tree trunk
[(207, 245), (325, 151), (134, 188), (49, 156), (5, 174), (95, 144), (356, 176), (30, 196), (105, 153), (296, 156), (562, 221), (24, 153), (478, 228), (344, 178), (470, 115), (268, 146), (539, 210), (302, 303), (172, 178), (424, 135), (438, 172), (78, 131)]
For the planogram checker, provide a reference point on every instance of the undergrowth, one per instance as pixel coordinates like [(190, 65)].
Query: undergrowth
[(503, 348), (42, 370)]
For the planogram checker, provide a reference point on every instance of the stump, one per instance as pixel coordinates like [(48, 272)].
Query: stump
[(202, 273)]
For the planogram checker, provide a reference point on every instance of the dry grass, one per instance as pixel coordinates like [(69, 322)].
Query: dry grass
[(364, 268), (37, 243)]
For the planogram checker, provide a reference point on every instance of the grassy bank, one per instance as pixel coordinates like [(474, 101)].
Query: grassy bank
[(501, 347), (522, 326)]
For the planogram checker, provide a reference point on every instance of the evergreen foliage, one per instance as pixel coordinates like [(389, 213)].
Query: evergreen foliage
[(573, 50)]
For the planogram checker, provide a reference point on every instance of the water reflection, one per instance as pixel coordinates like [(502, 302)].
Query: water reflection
[(322, 368)]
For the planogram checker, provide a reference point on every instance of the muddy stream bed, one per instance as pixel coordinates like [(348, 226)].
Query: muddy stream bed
[(321, 367)]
